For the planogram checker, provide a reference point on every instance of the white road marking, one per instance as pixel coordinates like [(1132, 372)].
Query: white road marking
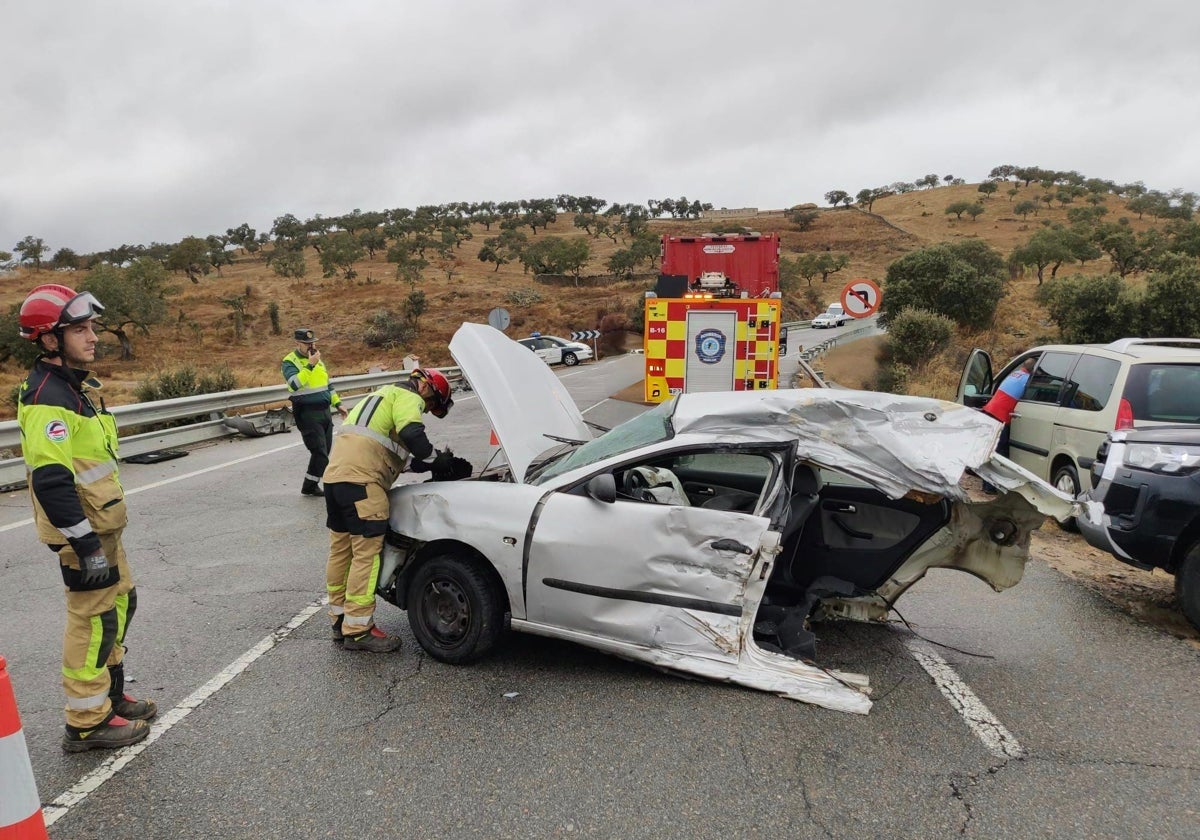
[(999, 741), (117, 761)]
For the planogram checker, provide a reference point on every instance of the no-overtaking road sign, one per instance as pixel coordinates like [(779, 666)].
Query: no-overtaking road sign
[(585, 335)]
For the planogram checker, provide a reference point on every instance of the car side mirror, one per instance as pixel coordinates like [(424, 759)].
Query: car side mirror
[(603, 487)]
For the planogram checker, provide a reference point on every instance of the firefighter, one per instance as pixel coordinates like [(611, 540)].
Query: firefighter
[(69, 441), (372, 448), (312, 396)]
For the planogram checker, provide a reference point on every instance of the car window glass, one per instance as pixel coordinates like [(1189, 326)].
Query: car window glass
[(729, 481), (649, 427), (1092, 382), (1046, 384), (742, 463), (1164, 393), (978, 375)]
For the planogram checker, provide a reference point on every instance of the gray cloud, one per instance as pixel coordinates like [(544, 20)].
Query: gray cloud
[(141, 121)]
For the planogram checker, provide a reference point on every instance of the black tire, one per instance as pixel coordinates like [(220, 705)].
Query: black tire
[(570, 359), (1066, 479), (1187, 585), (455, 609)]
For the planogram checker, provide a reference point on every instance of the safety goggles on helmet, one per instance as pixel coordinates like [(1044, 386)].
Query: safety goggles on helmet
[(82, 307)]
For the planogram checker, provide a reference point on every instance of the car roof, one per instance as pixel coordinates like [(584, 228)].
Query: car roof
[(1148, 349)]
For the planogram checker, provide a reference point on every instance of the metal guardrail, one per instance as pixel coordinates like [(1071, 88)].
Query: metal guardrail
[(828, 344), (12, 470)]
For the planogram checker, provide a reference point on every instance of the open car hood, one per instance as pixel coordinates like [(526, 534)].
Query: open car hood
[(521, 396)]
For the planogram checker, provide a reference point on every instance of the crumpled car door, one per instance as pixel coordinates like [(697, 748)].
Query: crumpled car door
[(663, 576)]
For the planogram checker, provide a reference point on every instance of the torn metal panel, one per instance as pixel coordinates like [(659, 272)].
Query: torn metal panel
[(989, 540), (754, 668), (895, 443)]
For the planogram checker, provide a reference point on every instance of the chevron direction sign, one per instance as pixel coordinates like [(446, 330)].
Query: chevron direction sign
[(585, 335)]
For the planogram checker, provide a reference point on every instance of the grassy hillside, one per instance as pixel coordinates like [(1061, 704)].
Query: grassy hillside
[(200, 329)]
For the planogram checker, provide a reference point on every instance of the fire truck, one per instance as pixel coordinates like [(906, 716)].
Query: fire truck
[(713, 321)]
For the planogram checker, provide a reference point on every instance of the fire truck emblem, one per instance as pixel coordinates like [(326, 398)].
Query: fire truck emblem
[(710, 346)]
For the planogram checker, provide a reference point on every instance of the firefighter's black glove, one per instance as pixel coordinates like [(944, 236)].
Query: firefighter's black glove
[(445, 466), (449, 467), (94, 568)]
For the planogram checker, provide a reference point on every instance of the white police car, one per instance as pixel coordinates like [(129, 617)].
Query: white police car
[(554, 350)]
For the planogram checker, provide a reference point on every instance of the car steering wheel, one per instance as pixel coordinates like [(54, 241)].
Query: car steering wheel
[(635, 486)]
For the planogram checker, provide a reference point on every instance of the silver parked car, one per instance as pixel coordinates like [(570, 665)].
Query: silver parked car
[(703, 535)]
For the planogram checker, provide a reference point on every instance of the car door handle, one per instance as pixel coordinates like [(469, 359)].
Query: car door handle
[(731, 545), (853, 533), (1015, 414), (841, 507), (705, 491)]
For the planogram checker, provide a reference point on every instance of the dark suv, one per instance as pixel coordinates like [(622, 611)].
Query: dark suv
[(1149, 482)]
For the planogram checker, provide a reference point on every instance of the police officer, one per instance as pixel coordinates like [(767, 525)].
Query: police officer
[(372, 448), (312, 396), (69, 441)]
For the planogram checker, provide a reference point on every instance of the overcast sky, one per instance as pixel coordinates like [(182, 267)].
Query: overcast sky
[(140, 121)]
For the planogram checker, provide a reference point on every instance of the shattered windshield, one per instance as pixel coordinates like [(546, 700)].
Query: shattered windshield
[(652, 426)]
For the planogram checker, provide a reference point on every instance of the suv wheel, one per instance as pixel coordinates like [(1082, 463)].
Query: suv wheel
[(455, 609), (1187, 585), (1066, 480), (570, 359)]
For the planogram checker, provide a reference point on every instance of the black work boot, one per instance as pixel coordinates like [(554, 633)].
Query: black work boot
[(374, 640), (311, 488), (338, 638), (122, 704), (113, 733), (130, 709)]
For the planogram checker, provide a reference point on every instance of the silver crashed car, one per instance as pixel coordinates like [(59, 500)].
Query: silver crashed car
[(703, 535)]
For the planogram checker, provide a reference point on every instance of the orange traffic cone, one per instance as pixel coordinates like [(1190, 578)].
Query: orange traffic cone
[(20, 805), (495, 441)]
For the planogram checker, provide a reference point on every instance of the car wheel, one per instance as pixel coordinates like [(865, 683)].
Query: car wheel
[(455, 609), (1187, 585), (570, 359), (1066, 480)]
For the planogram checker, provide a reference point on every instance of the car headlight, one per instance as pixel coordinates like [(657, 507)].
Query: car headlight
[(1162, 457)]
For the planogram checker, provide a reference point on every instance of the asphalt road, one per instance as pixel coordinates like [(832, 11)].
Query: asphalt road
[(547, 739)]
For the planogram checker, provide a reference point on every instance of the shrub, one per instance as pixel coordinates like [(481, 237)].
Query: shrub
[(635, 316), (523, 297), (893, 377), (917, 335), (612, 326), (388, 329), (963, 282), (184, 382), (1091, 309)]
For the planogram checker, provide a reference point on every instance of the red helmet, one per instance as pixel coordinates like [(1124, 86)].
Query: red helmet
[(50, 306), (441, 390)]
